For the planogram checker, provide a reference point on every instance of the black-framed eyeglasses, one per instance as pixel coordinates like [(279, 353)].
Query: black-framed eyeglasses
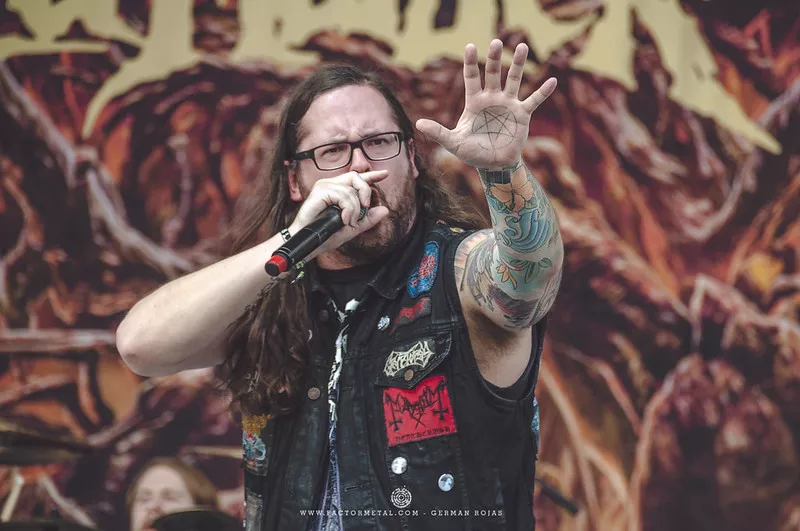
[(382, 146)]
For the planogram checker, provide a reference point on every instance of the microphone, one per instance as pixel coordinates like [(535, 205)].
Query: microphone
[(307, 239), (553, 493)]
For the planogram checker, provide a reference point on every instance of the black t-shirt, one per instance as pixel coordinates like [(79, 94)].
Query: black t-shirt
[(518, 389), (347, 284)]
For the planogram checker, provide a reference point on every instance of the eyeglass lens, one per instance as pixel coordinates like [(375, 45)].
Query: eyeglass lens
[(379, 147)]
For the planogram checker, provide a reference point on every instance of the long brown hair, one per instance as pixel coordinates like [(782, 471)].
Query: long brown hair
[(268, 345)]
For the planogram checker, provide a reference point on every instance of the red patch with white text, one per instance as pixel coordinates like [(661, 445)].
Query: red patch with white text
[(420, 413), (409, 314)]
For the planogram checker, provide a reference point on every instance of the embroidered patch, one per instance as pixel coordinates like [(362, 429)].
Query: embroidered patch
[(418, 355), (421, 279), (253, 424), (409, 314), (420, 413), (253, 449)]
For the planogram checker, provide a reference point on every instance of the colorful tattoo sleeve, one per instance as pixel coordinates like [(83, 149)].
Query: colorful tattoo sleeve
[(513, 270)]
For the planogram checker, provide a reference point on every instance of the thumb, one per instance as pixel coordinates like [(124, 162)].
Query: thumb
[(436, 132)]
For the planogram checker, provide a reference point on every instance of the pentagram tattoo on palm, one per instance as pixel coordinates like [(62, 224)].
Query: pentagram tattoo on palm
[(498, 124)]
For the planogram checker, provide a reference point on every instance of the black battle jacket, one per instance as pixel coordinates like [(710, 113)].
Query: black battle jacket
[(422, 441)]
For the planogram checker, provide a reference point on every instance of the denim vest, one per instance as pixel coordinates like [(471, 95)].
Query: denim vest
[(422, 442)]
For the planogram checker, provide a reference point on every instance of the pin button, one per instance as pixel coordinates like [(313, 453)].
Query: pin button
[(399, 465), (314, 393), (408, 375), (446, 482)]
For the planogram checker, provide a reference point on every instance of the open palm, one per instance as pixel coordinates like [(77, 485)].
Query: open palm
[(494, 125)]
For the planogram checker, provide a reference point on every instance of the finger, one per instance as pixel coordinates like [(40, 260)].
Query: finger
[(472, 74), (493, 65), (515, 71), (353, 209), (537, 98), (362, 189), (375, 176), (346, 198), (436, 132)]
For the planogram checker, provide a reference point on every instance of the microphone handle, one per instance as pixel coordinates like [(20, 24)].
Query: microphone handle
[(312, 235), (307, 240)]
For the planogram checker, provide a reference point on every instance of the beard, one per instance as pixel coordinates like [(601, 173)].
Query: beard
[(380, 240)]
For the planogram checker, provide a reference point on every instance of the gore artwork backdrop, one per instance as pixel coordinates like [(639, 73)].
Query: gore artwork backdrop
[(670, 386)]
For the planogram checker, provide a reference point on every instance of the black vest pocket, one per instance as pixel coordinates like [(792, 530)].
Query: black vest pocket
[(412, 389), (427, 487)]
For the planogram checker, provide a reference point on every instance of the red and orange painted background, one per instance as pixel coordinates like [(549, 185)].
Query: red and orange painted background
[(670, 388)]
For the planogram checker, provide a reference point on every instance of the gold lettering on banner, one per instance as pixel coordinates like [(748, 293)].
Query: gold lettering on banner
[(414, 47), (684, 52), (546, 33), (47, 22), (274, 31), (168, 48), (270, 31)]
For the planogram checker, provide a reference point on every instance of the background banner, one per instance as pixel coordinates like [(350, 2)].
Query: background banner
[(670, 386)]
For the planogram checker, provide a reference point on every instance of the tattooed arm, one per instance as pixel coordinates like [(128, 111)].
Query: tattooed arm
[(511, 273)]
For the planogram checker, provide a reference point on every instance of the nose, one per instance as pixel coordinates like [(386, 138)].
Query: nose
[(154, 511), (360, 163)]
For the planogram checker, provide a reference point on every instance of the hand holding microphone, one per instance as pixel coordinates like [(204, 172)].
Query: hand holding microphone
[(335, 211)]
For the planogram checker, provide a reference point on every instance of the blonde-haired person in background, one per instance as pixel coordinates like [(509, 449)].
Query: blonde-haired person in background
[(167, 485)]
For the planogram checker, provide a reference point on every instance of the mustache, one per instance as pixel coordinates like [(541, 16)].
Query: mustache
[(379, 195)]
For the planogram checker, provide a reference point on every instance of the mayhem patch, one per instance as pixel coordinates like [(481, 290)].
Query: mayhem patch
[(409, 314), (421, 279), (423, 412), (417, 356)]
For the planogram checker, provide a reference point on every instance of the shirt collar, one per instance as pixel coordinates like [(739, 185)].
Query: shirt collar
[(390, 278)]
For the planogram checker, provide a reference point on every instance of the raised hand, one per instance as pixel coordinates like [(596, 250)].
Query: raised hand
[(494, 125)]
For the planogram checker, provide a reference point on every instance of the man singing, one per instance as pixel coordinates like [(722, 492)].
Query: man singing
[(390, 386)]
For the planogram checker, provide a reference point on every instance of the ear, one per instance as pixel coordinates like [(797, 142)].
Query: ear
[(294, 186), (411, 154)]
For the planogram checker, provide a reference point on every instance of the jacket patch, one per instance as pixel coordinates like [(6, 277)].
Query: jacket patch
[(417, 356), (409, 314), (254, 450), (254, 423), (421, 279), (423, 412)]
